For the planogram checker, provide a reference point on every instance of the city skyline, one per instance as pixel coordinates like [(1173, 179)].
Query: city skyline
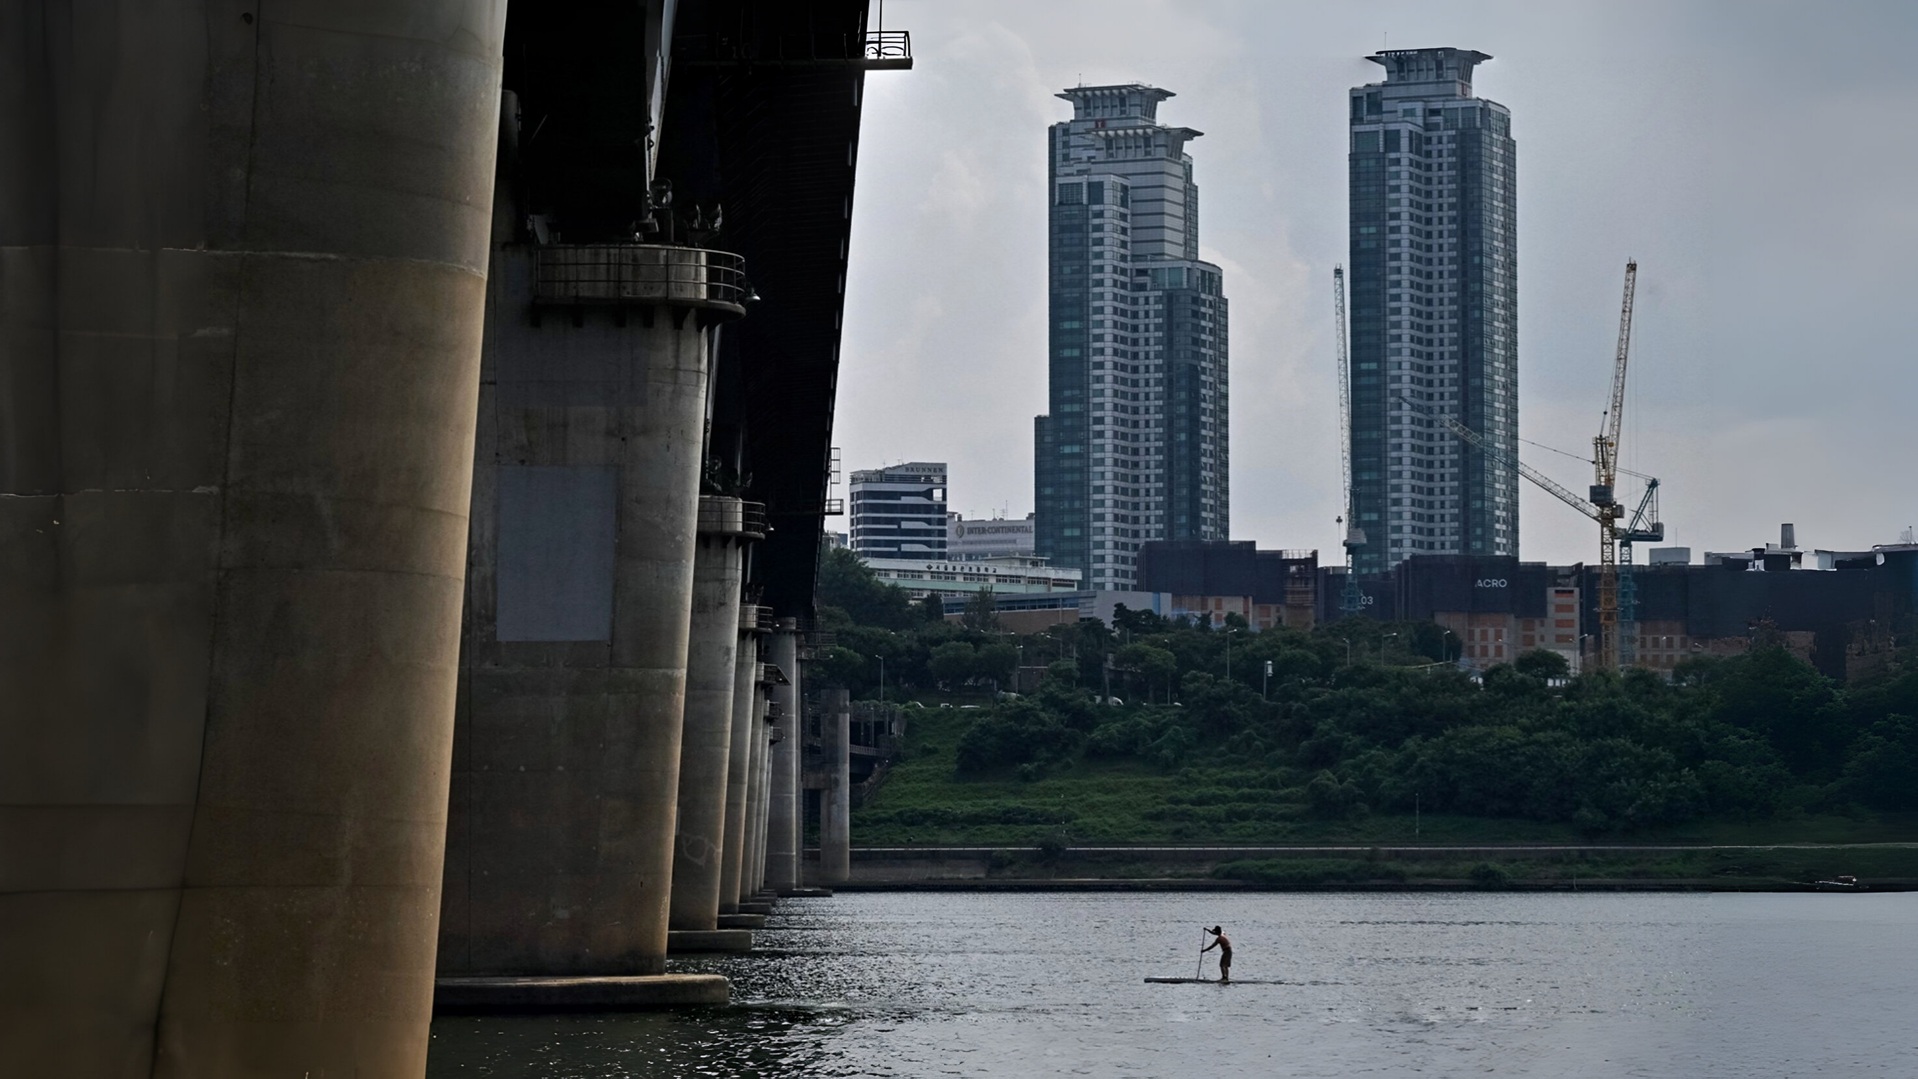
[(1748, 340)]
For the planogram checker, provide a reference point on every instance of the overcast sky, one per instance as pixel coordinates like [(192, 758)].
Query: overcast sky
[(1758, 159)]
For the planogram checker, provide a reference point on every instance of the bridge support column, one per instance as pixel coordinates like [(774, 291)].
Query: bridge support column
[(764, 732), (242, 278), (732, 855), (585, 514), (712, 668), (835, 802), (767, 733), (784, 818)]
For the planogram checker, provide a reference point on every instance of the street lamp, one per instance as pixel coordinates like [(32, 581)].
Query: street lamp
[(1228, 652), (1447, 630), (1348, 650), (1265, 679), (882, 678), (1382, 641)]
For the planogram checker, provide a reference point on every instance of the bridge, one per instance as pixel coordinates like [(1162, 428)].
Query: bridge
[(414, 432)]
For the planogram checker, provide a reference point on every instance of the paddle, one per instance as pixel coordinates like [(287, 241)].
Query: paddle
[(1199, 971)]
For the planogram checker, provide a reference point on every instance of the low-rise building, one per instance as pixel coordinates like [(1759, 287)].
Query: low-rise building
[(1034, 612), (1001, 576), (1841, 611), (1209, 579)]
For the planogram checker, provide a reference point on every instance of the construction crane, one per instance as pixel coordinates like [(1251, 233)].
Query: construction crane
[(1605, 484), (1644, 528), (1602, 506), (1350, 598)]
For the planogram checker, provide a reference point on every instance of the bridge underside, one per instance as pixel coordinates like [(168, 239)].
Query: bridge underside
[(360, 427), (594, 746)]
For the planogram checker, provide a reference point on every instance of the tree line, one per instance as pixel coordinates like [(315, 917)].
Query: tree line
[(1360, 716)]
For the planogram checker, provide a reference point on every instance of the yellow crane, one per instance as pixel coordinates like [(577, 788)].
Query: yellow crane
[(1350, 598), (1605, 484), (1603, 505)]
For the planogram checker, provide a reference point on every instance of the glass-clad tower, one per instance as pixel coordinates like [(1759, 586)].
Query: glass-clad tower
[(1133, 447), (1434, 311)]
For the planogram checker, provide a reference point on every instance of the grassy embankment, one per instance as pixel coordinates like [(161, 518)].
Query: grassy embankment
[(923, 803)]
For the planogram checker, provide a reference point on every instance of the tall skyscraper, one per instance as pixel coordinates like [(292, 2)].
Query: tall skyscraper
[(1134, 447), (1434, 311), (900, 511)]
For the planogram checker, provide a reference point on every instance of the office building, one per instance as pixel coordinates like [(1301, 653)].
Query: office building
[(1434, 323), (900, 511), (1133, 447)]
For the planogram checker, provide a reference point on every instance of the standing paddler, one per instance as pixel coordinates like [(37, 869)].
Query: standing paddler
[(1224, 946)]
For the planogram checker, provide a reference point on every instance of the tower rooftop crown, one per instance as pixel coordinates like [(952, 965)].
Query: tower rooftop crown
[(1132, 99), (1429, 65)]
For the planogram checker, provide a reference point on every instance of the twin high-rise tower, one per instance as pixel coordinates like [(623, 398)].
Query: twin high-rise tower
[(1434, 311), (1134, 447)]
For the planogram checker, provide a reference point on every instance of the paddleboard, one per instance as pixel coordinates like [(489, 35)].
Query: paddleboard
[(1207, 981)]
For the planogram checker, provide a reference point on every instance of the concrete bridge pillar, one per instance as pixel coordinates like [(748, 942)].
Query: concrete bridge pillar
[(242, 277), (739, 759), (578, 606), (765, 731), (784, 818), (835, 803), (768, 734), (712, 669)]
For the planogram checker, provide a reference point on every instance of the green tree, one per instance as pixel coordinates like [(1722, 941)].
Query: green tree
[(1329, 799), (1015, 733), (1543, 664), (932, 607), (848, 583), (1136, 622), (996, 661), (982, 612), (1153, 666), (1778, 695), (1883, 769), (840, 666), (1063, 673), (953, 662)]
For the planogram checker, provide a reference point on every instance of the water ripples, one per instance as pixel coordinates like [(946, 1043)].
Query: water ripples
[(919, 985)]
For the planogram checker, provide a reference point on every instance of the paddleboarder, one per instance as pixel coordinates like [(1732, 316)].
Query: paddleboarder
[(1224, 945)]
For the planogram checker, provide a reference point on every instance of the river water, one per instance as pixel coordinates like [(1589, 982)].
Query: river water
[(1373, 984)]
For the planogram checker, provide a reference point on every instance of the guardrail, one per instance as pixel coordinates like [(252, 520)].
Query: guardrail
[(721, 515), (638, 275), (874, 50), (756, 619), (889, 49)]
